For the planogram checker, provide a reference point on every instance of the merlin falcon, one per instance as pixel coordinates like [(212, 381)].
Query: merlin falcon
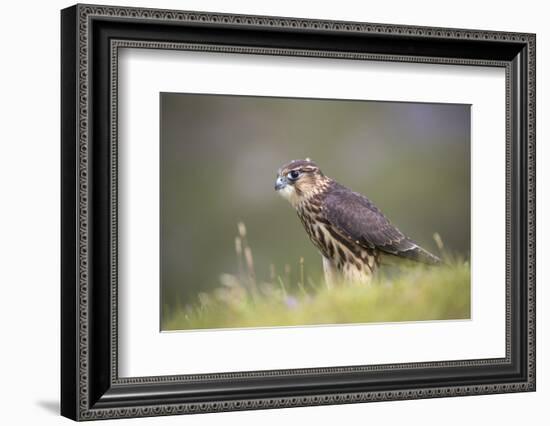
[(351, 233)]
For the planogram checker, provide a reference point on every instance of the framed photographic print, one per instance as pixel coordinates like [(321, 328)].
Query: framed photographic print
[(263, 212)]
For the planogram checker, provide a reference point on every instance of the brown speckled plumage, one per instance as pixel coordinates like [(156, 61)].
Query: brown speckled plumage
[(350, 232)]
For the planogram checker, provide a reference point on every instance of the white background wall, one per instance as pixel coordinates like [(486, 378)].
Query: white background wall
[(29, 212)]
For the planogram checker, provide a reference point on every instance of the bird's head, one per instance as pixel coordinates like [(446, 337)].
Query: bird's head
[(298, 180)]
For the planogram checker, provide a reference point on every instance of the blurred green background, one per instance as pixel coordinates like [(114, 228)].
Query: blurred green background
[(220, 154)]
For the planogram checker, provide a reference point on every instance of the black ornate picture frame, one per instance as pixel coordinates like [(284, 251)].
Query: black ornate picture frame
[(90, 385)]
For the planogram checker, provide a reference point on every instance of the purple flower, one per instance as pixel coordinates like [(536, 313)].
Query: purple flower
[(291, 302)]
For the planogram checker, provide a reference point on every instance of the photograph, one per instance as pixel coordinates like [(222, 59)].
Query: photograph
[(278, 211)]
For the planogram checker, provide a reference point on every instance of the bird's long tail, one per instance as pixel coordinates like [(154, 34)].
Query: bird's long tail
[(419, 254)]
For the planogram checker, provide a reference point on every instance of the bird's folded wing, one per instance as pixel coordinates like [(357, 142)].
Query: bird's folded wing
[(357, 219)]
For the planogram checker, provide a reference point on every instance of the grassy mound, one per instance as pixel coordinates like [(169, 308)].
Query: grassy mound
[(413, 293)]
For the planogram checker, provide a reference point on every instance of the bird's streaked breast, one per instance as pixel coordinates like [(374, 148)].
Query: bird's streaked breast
[(355, 263)]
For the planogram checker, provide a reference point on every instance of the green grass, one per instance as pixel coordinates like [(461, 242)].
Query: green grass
[(412, 293)]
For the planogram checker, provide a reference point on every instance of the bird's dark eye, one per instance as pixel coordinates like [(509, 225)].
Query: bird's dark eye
[(293, 175)]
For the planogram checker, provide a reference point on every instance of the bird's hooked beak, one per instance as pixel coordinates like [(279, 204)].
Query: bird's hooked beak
[(280, 183)]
